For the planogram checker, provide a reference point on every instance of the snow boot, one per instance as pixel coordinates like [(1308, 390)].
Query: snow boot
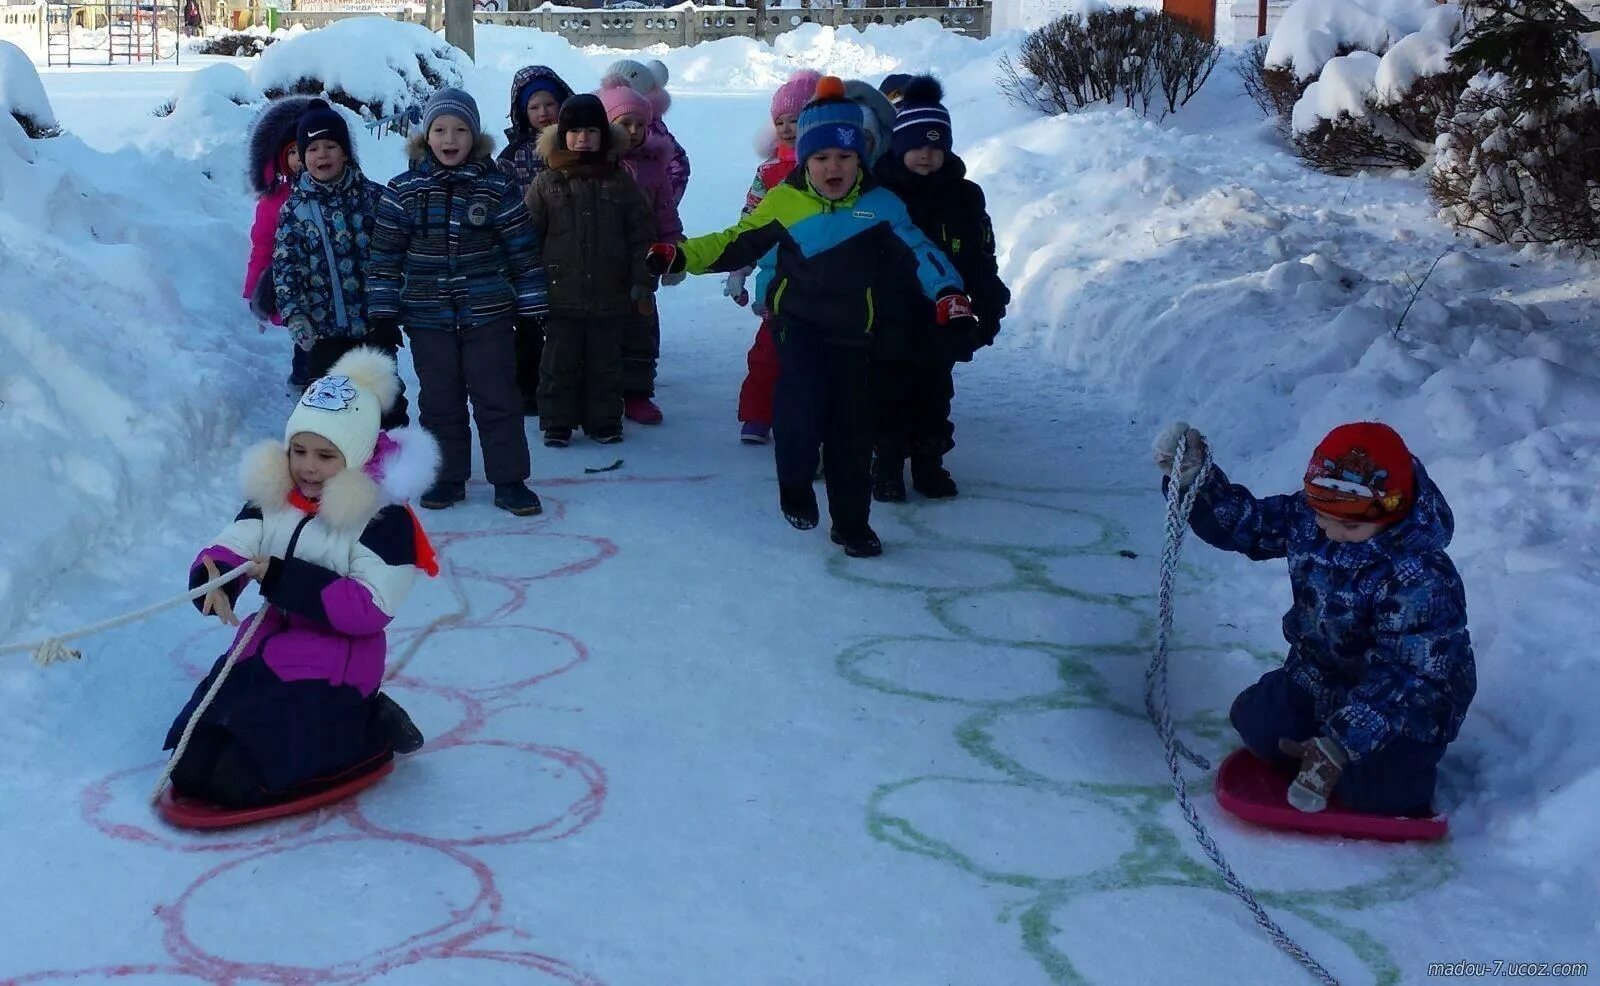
[(557, 437), (394, 724), (799, 506), (641, 410), (754, 433), (928, 477), (443, 494), (889, 477), (609, 435), (517, 499), (859, 544)]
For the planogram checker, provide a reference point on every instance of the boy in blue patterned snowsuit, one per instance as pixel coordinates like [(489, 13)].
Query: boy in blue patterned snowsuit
[(1380, 668), (321, 251)]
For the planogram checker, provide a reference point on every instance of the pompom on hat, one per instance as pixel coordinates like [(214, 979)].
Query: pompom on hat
[(1362, 472)]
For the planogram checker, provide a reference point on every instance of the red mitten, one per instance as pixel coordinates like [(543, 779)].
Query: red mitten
[(663, 258), (955, 311)]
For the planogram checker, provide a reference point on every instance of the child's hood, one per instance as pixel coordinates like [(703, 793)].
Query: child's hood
[(273, 129), (519, 128), (417, 151), (402, 467)]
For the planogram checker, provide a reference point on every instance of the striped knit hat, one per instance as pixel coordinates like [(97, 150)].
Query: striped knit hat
[(831, 122), (452, 102), (922, 121)]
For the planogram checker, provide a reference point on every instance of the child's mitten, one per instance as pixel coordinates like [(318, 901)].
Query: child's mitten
[(1322, 760), (664, 258), (954, 310), (300, 331), (733, 288), (1165, 450)]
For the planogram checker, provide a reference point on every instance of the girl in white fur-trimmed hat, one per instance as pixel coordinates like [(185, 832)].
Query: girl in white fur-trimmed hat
[(329, 538)]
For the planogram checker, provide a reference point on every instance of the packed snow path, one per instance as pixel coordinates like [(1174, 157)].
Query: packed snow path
[(673, 741)]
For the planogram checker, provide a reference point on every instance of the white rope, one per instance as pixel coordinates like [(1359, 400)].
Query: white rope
[(1180, 503), (447, 620), (52, 650)]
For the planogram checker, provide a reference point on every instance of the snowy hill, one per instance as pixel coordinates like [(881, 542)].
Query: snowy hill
[(673, 741)]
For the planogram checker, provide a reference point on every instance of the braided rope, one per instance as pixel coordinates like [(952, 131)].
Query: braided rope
[(52, 650), (1180, 503)]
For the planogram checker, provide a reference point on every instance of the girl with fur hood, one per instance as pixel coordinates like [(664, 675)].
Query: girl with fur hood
[(455, 260), (775, 144), (650, 81), (335, 551), (646, 156), (537, 93), (595, 224), (274, 160)]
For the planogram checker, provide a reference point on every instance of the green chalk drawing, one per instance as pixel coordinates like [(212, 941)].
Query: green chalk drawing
[(1158, 852)]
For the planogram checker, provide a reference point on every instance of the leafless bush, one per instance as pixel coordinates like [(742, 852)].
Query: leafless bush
[(239, 45), (34, 129)]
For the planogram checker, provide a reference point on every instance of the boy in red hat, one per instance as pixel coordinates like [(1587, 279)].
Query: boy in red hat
[(1380, 668)]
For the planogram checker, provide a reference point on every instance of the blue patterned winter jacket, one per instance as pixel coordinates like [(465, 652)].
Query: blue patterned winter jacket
[(320, 253), (1378, 630), (453, 247)]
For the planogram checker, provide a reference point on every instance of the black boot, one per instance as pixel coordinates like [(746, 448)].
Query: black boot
[(889, 477), (928, 476), (394, 724), (517, 499), (444, 494), (799, 506), (858, 544)]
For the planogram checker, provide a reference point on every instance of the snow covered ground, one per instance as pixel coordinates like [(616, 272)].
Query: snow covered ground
[(673, 741)]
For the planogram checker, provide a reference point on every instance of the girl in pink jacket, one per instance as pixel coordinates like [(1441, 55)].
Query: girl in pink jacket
[(327, 535), (274, 163), (648, 160)]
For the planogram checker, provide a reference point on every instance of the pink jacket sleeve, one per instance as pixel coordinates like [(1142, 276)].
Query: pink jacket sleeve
[(261, 233), (669, 225)]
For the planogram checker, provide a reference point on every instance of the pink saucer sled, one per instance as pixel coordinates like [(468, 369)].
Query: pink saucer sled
[(1256, 791), (189, 813)]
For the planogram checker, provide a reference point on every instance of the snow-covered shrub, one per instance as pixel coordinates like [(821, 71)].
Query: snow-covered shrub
[(1362, 83), (214, 82), (1274, 90), (1519, 160), (372, 65), (22, 94), (238, 45), (1136, 57)]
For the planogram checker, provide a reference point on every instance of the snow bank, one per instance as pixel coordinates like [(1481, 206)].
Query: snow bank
[(387, 65), (1314, 31), (1413, 58), (1346, 85), (21, 93)]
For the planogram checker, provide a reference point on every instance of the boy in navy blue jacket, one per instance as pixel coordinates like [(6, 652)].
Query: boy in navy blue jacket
[(1380, 669)]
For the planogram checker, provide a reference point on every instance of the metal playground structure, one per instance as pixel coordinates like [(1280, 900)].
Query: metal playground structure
[(112, 32)]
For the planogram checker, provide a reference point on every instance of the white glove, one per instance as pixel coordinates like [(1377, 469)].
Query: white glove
[(673, 280), (1194, 452), (733, 288)]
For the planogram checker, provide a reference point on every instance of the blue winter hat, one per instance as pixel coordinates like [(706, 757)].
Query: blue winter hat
[(922, 121), (452, 102), (831, 122), (322, 122), (543, 83)]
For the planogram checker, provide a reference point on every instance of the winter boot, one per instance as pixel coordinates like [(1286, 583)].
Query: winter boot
[(444, 494), (609, 435), (859, 544), (755, 433), (516, 498), (641, 410), (799, 506), (928, 476), (557, 437), (394, 724), (889, 477)]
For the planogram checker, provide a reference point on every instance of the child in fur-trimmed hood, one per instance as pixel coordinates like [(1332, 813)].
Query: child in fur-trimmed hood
[(274, 161), (335, 550)]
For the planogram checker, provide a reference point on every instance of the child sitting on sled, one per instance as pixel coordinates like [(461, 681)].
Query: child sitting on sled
[(329, 539), (1380, 668)]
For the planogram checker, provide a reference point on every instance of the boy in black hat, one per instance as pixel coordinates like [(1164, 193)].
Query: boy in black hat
[(912, 381)]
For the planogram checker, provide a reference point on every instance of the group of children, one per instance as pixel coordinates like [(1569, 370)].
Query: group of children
[(873, 267)]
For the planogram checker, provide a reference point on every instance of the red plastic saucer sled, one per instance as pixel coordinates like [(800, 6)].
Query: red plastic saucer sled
[(1256, 791), (188, 813)]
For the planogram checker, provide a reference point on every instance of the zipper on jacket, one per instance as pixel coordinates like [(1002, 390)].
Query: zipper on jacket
[(341, 318), (871, 312)]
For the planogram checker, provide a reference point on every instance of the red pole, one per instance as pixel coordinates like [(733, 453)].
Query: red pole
[(1261, 19)]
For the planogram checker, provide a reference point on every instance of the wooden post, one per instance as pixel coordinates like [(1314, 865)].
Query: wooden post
[(458, 28), (1261, 19)]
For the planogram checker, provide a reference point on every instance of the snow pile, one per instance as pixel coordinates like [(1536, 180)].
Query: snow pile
[(211, 90), (1314, 31), (22, 95), (383, 65), (125, 355), (1347, 84)]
